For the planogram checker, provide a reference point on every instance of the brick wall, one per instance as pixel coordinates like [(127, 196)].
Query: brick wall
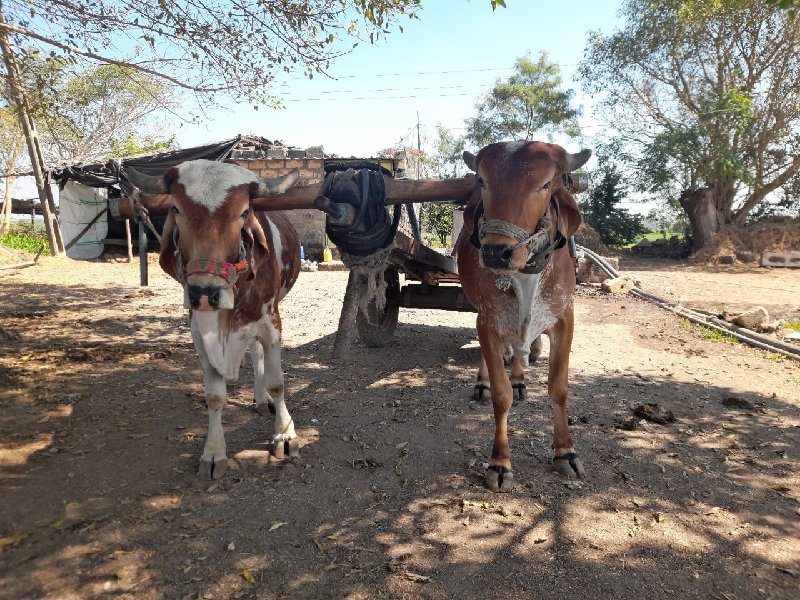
[(310, 224)]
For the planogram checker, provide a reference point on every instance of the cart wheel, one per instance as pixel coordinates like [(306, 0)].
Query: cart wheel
[(378, 330)]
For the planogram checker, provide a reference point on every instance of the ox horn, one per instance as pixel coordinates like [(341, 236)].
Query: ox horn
[(149, 184), (277, 185), (576, 161), (469, 159)]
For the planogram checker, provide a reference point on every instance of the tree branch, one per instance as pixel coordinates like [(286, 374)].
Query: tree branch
[(111, 61), (761, 192)]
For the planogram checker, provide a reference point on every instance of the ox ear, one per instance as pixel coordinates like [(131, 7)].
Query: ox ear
[(255, 241), (167, 256), (576, 161), (277, 185), (469, 159), (569, 215)]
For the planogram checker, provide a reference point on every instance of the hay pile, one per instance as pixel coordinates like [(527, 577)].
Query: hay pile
[(778, 235)]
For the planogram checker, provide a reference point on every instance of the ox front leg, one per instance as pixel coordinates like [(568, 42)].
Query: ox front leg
[(565, 459), (499, 477), (214, 462), (285, 439)]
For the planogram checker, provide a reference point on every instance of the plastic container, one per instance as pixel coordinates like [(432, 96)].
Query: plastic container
[(327, 255), (302, 252)]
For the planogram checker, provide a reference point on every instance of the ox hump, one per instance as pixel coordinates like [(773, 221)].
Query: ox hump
[(207, 182)]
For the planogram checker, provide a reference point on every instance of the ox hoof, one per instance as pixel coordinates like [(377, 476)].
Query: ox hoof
[(569, 466), (293, 448), (481, 393), (280, 448), (212, 469), (520, 391), (499, 479), (265, 409)]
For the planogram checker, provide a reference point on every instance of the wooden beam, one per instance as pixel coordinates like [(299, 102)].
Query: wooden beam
[(398, 191)]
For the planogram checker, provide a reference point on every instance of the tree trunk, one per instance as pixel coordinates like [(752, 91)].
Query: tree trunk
[(32, 141), (5, 219), (13, 154), (701, 207)]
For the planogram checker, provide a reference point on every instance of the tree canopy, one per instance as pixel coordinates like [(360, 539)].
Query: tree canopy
[(704, 95), (615, 225), (86, 115), (531, 101)]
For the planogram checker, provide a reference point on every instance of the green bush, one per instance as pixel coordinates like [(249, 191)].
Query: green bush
[(23, 236)]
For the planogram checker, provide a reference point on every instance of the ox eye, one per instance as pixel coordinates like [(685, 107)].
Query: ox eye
[(545, 186), (246, 214), (481, 182), (175, 210)]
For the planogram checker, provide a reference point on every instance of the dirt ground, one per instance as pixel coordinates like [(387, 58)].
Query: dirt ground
[(103, 421)]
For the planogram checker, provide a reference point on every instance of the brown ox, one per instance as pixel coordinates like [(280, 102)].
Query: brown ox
[(234, 265), (516, 270)]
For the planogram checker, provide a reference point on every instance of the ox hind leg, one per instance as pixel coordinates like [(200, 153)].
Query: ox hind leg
[(521, 359), (264, 402), (518, 376), (285, 439), (499, 477), (565, 459), (482, 390)]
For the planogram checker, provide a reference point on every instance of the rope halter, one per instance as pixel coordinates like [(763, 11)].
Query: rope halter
[(532, 241), (539, 243), (205, 265)]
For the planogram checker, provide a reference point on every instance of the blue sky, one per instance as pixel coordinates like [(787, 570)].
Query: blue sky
[(438, 66)]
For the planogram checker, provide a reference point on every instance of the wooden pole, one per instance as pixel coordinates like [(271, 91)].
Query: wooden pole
[(398, 191), (347, 318), (27, 124), (142, 254)]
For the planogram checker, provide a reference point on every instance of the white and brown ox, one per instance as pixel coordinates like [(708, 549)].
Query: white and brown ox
[(516, 270), (235, 265)]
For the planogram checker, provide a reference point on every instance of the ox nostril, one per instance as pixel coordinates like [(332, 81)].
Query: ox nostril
[(213, 298), (194, 292), (496, 256)]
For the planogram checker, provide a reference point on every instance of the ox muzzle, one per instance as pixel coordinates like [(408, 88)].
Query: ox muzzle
[(210, 283)]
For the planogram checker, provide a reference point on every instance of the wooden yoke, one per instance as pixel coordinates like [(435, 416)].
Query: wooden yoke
[(398, 191)]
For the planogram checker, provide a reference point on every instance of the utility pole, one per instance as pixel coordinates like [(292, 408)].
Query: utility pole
[(419, 148), (54, 238)]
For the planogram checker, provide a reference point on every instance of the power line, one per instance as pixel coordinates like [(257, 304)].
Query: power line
[(375, 98), (411, 89), (402, 74)]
